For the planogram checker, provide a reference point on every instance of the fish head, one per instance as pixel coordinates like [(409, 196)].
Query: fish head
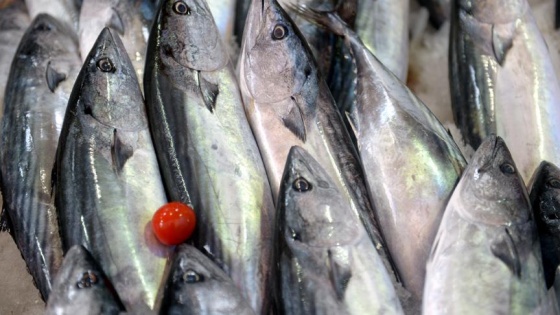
[(109, 89), (47, 36), (80, 283), (194, 279), (313, 211), (545, 197), (275, 59), (494, 11), (190, 36), (491, 189)]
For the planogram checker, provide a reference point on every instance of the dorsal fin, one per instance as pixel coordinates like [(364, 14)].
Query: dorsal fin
[(116, 22), (339, 275), (503, 247), (120, 152), (293, 120), (209, 92), (53, 77)]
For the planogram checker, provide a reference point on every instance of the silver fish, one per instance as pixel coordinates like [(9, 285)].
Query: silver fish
[(288, 103), (81, 287), (205, 146), (41, 78), (108, 182), (411, 164), (487, 252), (14, 20), (326, 263), (131, 19), (196, 285), (503, 81), (66, 11)]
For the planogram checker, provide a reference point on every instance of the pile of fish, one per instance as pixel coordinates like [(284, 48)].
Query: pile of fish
[(321, 183)]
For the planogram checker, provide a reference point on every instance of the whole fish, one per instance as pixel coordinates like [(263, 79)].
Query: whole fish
[(14, 20), (288, 103), (440, 11), (81, 287), (41, 78), (411, 164), (503, 81), (131, 19), (545, 200), (486, 256), (66, 11), (326, 263), (196, 285), (108, 182), (205, 146)]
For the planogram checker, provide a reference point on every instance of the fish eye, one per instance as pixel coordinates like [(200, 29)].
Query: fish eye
[(182, 8), (279, 32), (191, 276), (301, 184), (87, 281), (507, 168), (554, 183), (105, 65)]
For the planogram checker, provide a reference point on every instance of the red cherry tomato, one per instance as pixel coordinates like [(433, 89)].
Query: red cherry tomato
[(173, 223)]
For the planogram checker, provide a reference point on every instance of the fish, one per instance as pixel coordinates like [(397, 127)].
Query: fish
[(503, 81), (14, 21), (108, 184), (440, 11), (41, 77), (288, 103), (66, 11), (545, 201), (411, 164), (131, 19), (487, 251), (196, 285), (81, 287), (325, 260), (223, 12), (205, 146)]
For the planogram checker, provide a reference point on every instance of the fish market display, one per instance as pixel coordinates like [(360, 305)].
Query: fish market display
[(287, 103), (205, 146), (486, 255), (196, 285), (503, 82), (41, 78), (108, 182), (66, 11), (131, 19), (395, 131), (14, 20), (326, 263), (81, 287)]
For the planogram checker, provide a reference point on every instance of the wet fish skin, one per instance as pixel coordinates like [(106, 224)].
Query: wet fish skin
[(288, 103), (108, 183), (206, 148), (325, 260), (196, 285), (132, 19), (545, 201), (487, 250), (394, 130), (14, 20), (41, 78), (66, 11), (503, 81), (81, 287)]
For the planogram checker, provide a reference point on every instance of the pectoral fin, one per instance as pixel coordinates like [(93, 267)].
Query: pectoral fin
[(339, 274), (53, 77), (120, 152), (503, 247), (209, 92), (502, 41), (116, 22), (293, 120)]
